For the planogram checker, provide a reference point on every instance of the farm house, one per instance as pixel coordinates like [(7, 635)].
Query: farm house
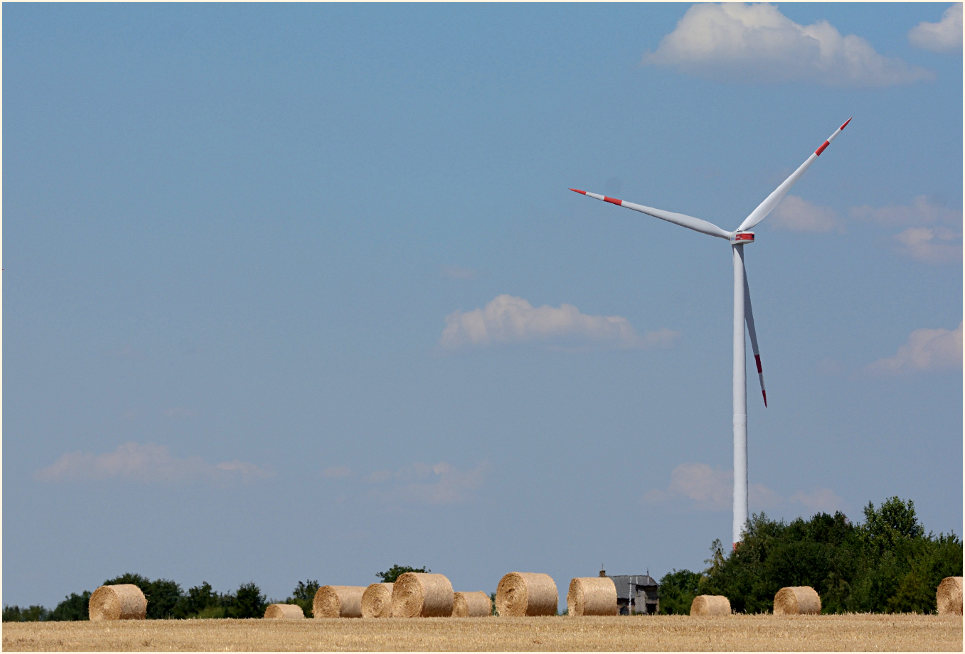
[(635, 593)]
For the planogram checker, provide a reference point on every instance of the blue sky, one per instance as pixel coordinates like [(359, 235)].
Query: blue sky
[(299, 291)]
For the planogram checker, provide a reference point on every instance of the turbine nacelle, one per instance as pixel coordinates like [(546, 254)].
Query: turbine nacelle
[(739, 238)]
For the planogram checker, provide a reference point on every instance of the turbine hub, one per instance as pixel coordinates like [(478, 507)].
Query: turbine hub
[(742, 237)]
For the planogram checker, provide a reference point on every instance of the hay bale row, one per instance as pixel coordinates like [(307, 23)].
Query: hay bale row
[(949, 596), (421, 594), (117, 602)]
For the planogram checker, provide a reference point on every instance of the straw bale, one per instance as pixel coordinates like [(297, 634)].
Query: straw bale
[(526, 593), (338, 602), (377, 601), (422, 594), (592, 596), (284, 612), (949, 596), (797, 600), (710, 605), (117, 602), (471, 605)]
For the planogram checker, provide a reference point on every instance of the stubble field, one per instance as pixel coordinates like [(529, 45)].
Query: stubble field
[(906, 632)]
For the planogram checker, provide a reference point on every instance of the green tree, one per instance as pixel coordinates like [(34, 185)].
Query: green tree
[(33, 613), (304, 595), (140, 581), (678, 589), (396, 571), (164, 600), (892, 525), (247, 602), (887, 564), (74, 607), (202, 602)]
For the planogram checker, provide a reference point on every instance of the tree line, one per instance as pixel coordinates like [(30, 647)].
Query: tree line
[(887, 564), (166, 599)]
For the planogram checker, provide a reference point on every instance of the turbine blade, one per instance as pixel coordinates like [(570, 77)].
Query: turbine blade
[(771, 201), (749, 319), (696, 224)]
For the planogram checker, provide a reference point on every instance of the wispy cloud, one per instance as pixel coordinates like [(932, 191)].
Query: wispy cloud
[(422, 483), (922, 211), (932, 234), (705, 488), (146, 463), (930, 244), (507, 319), (925, 350), (756, 42), (943, 36), (797, 215)]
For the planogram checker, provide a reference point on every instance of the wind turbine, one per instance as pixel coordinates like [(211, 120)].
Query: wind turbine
[(742, 310)]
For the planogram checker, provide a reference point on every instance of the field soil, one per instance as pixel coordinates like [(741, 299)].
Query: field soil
[(904, 632)]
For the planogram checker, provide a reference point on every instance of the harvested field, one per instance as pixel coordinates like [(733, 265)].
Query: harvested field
[(905, 632)]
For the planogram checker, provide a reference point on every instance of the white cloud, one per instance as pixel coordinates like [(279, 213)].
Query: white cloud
[(943, 36), (797, 215), (756, 42), (930, 244), (933, 234), (508, 319), (422, 483), (926, 350), (146, 463)]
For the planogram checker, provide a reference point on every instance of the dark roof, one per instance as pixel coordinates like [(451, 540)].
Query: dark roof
[(636, 583)]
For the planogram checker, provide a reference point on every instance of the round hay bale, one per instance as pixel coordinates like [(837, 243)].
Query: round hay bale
[(284, 612), (338, 602), (592, 596), (949, 596), (710, 605), (526, 593), (377, 601), (797, 600), (471, 605), (422, 595), (117, 602)]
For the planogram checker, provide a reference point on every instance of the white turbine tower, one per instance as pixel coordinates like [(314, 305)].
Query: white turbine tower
[(742, 311)]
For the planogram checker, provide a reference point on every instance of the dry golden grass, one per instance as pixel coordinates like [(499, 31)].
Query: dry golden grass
[(638, 633)]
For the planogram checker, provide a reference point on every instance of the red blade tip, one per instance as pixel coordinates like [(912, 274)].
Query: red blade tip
[(576, 190), (846, 123)]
